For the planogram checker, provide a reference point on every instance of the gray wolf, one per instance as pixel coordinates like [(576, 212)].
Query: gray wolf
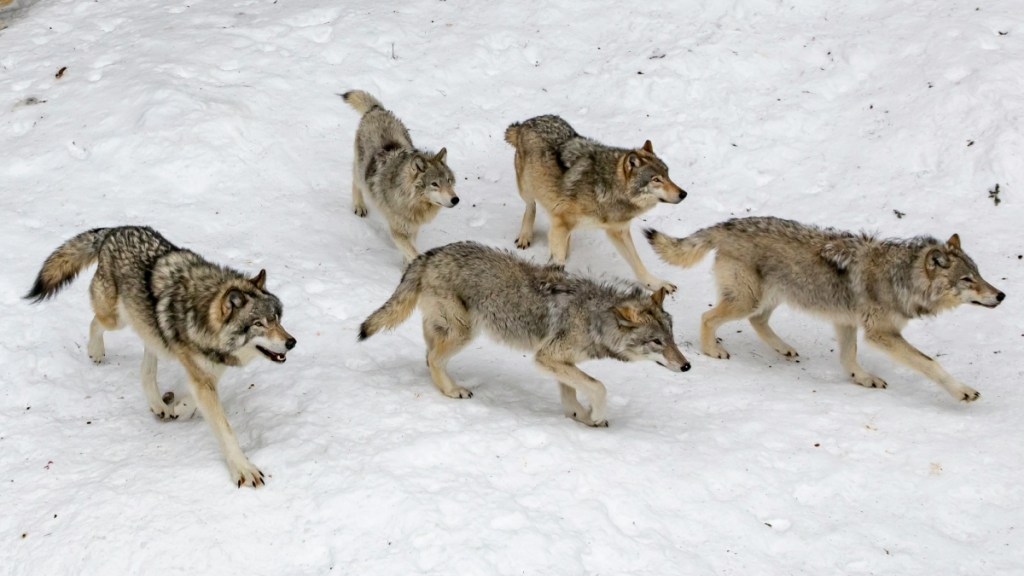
[(854, 280), (206, 316), (407, 184), (581, 182), (563, 319)]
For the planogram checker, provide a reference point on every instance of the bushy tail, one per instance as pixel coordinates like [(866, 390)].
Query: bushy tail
[(61, 267), (512, 134), (683, 252), (401, 304), (363, 102)]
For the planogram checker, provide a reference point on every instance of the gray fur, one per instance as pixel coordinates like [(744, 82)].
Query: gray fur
[(407, 184), (464, 288), (206, 316), (858, 281)]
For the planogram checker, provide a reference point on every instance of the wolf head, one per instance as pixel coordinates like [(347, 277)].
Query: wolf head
[(434, 179), (646, 331), (647, 177), (251, 321), (955, 277)]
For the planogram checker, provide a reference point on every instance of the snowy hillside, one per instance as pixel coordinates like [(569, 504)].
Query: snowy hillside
[(218, 123)]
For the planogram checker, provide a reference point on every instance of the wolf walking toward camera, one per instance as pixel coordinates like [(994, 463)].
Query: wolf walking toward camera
[(854, 280), (581, 182), (564, 319), (408, 185), (206, 316)]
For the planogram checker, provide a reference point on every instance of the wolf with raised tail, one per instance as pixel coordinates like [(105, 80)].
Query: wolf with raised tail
[(583, 183), (464, 288), (407, 184), (853, 280), (206, 316)]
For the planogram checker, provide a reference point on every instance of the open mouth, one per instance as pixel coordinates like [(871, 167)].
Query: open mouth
[(274, 356)]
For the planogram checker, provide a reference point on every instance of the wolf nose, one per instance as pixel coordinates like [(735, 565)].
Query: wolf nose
[(686, 367), (290, 343), (1000, 296), (455, 200)]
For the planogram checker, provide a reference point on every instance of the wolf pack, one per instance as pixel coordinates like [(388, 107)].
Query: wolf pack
[(209, 317)]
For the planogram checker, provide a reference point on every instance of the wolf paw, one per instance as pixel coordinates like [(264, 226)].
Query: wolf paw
[(163, 411), (523, 243), (585, 416), (361, 211), (245, 474), (97, 352), (654, 285), (869, 380), (716, 351), (458, 392), (184, 408), (789, 353), (969, 394)]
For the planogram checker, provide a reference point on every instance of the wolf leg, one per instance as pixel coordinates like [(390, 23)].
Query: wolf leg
[(575, 380), (847, 336), (760, 323), (738, 295), (622, 239), (151, 389), (103, 295), (525, 237), (445, 332), (203, 386), (901, 350), (404, 238), (358, 204), (558, 240)]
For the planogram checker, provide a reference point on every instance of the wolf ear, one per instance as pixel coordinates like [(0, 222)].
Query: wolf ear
[(954, 241), (633, 160), (419, 164), (936, 257), (260, 280), (627, 315), (232, 300), (658, 297), (441, 155), (648, 147)]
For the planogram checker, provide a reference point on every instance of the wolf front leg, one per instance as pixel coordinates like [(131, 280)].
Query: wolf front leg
[(622, 239), (847, 336), (404, 237), (203, 386), (572, 380), (896, 346)]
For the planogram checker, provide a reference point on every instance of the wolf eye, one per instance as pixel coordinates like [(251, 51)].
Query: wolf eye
[(967, 280), (259, 324), (656, 179), (435, 185), (657, 342)]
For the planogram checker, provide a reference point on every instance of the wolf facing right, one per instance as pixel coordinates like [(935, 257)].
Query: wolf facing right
[(854, 280), (206, 316), (465, 287), (407, 184)]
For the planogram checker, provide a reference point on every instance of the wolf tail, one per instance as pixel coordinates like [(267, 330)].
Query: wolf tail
[(512, 134), (362, 101), (61, 267), (683, 252), (402, 302)]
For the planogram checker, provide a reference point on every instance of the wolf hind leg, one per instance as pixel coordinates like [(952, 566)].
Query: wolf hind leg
[(446, 331), (558, 240), (760, 323), (847, 337), (739, 292), (103, 295), (525, 237)]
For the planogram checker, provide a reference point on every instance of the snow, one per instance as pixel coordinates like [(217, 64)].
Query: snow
[(218, 123)]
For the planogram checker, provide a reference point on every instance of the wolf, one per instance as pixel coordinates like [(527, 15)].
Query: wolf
[(857, 281), (463, 288), (409, 185), (206, 316), (581, 182)]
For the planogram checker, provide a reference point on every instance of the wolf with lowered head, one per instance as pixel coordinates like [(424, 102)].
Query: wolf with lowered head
[(464, 288)]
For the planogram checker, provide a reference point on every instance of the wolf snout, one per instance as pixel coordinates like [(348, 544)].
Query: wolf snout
[(1000, 297), (455, 200), (685, 367), (290, 343)]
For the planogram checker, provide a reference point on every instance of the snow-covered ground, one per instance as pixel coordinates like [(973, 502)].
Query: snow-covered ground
[(217, 122)]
